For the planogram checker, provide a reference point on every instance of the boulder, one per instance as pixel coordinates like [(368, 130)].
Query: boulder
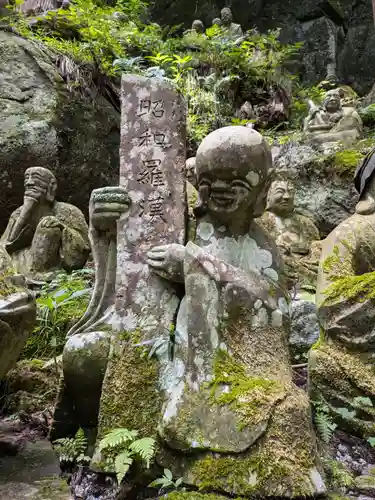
[(43, 123), (323, 181), (304, 328)]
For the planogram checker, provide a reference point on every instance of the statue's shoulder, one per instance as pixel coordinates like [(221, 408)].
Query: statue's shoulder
[(66, 211)]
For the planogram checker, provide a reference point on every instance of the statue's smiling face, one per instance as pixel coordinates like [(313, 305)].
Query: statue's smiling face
[(332, 102), (36, 184), (226, 16), (225, 193), (281, 198)]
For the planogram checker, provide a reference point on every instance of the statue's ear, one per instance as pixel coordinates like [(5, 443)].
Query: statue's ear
[(51, 190)]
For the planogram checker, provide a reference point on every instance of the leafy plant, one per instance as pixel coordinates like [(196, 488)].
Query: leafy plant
[(120, 449), (72, 449), (61, 301), (166, 481), (323, 421)]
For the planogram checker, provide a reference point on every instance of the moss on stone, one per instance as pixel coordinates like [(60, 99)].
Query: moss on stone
[(130, 396), (249, 397), (192, 495), (337, 377), (345, 162), (6, 286)]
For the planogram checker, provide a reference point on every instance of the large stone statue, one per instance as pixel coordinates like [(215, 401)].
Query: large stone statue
[(231, 420), (231, 30), (43, 234), (17, 314), (295, 235), (342, 366), (333, 122)]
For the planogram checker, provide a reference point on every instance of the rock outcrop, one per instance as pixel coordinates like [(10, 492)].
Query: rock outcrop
[(42, 123)]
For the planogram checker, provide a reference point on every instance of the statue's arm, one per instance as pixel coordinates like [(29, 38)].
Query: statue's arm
[(75, 245)]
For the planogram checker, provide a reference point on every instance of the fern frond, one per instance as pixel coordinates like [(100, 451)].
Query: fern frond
[(123, 462), (116, 438), (80, 442), (145, 448), (325, 426)]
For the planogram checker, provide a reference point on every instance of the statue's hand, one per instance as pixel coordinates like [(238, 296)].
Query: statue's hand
[(167, 261), (106, 206), (51, 222)]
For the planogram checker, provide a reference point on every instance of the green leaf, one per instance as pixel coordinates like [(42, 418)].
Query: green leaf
[(116, 438), (371, 440), (123, 462), (178, 482), (345, 413), (360, 402), (168, 474), (145, 448)]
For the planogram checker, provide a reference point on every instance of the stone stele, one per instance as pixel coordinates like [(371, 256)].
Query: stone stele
[(152, 170)]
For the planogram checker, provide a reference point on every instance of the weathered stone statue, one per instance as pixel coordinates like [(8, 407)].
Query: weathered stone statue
[(216, 21), (86, 352), (232, 31), (216, 385), (295, 235), (17, 314), (196, 28), (230, 390), (333, 122), (44, 235), (342, 366)]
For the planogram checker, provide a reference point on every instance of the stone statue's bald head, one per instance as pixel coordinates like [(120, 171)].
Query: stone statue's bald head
[(40, 184), (198, 26), (226, 16), (232, 166)]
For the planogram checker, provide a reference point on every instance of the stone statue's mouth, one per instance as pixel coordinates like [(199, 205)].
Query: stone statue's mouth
[(223, 199)]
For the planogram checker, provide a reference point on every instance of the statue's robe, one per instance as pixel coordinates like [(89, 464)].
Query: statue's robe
[(297, 238), (232, 329), (323, 126), (37, 249)]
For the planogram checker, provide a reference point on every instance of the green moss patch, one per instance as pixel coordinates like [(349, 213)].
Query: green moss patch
[(130, 394), (249, 397), (345, 162)]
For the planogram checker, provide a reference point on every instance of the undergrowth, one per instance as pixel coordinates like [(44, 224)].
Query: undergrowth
[(62, 301), (215, 75)]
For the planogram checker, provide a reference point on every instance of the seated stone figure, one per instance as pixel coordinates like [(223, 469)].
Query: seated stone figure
[(44, 235), (296, 235), (231, 30), (17, 314), (342, 366), (333, 122), (232, 323), (232, 421), (196, 28)]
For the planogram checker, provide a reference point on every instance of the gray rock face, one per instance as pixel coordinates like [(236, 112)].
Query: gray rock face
[(328, 199), (304, 328), (43, 124), (334, 32)]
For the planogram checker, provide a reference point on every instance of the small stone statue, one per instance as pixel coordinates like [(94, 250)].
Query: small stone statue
[(232, 31), (342, 366), (216, 21), (17, 314), (332, 122), (294, 234), (197, 28), (231, 324), (44, 235)]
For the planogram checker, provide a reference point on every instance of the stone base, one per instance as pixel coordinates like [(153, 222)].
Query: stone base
[(338, 377)]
